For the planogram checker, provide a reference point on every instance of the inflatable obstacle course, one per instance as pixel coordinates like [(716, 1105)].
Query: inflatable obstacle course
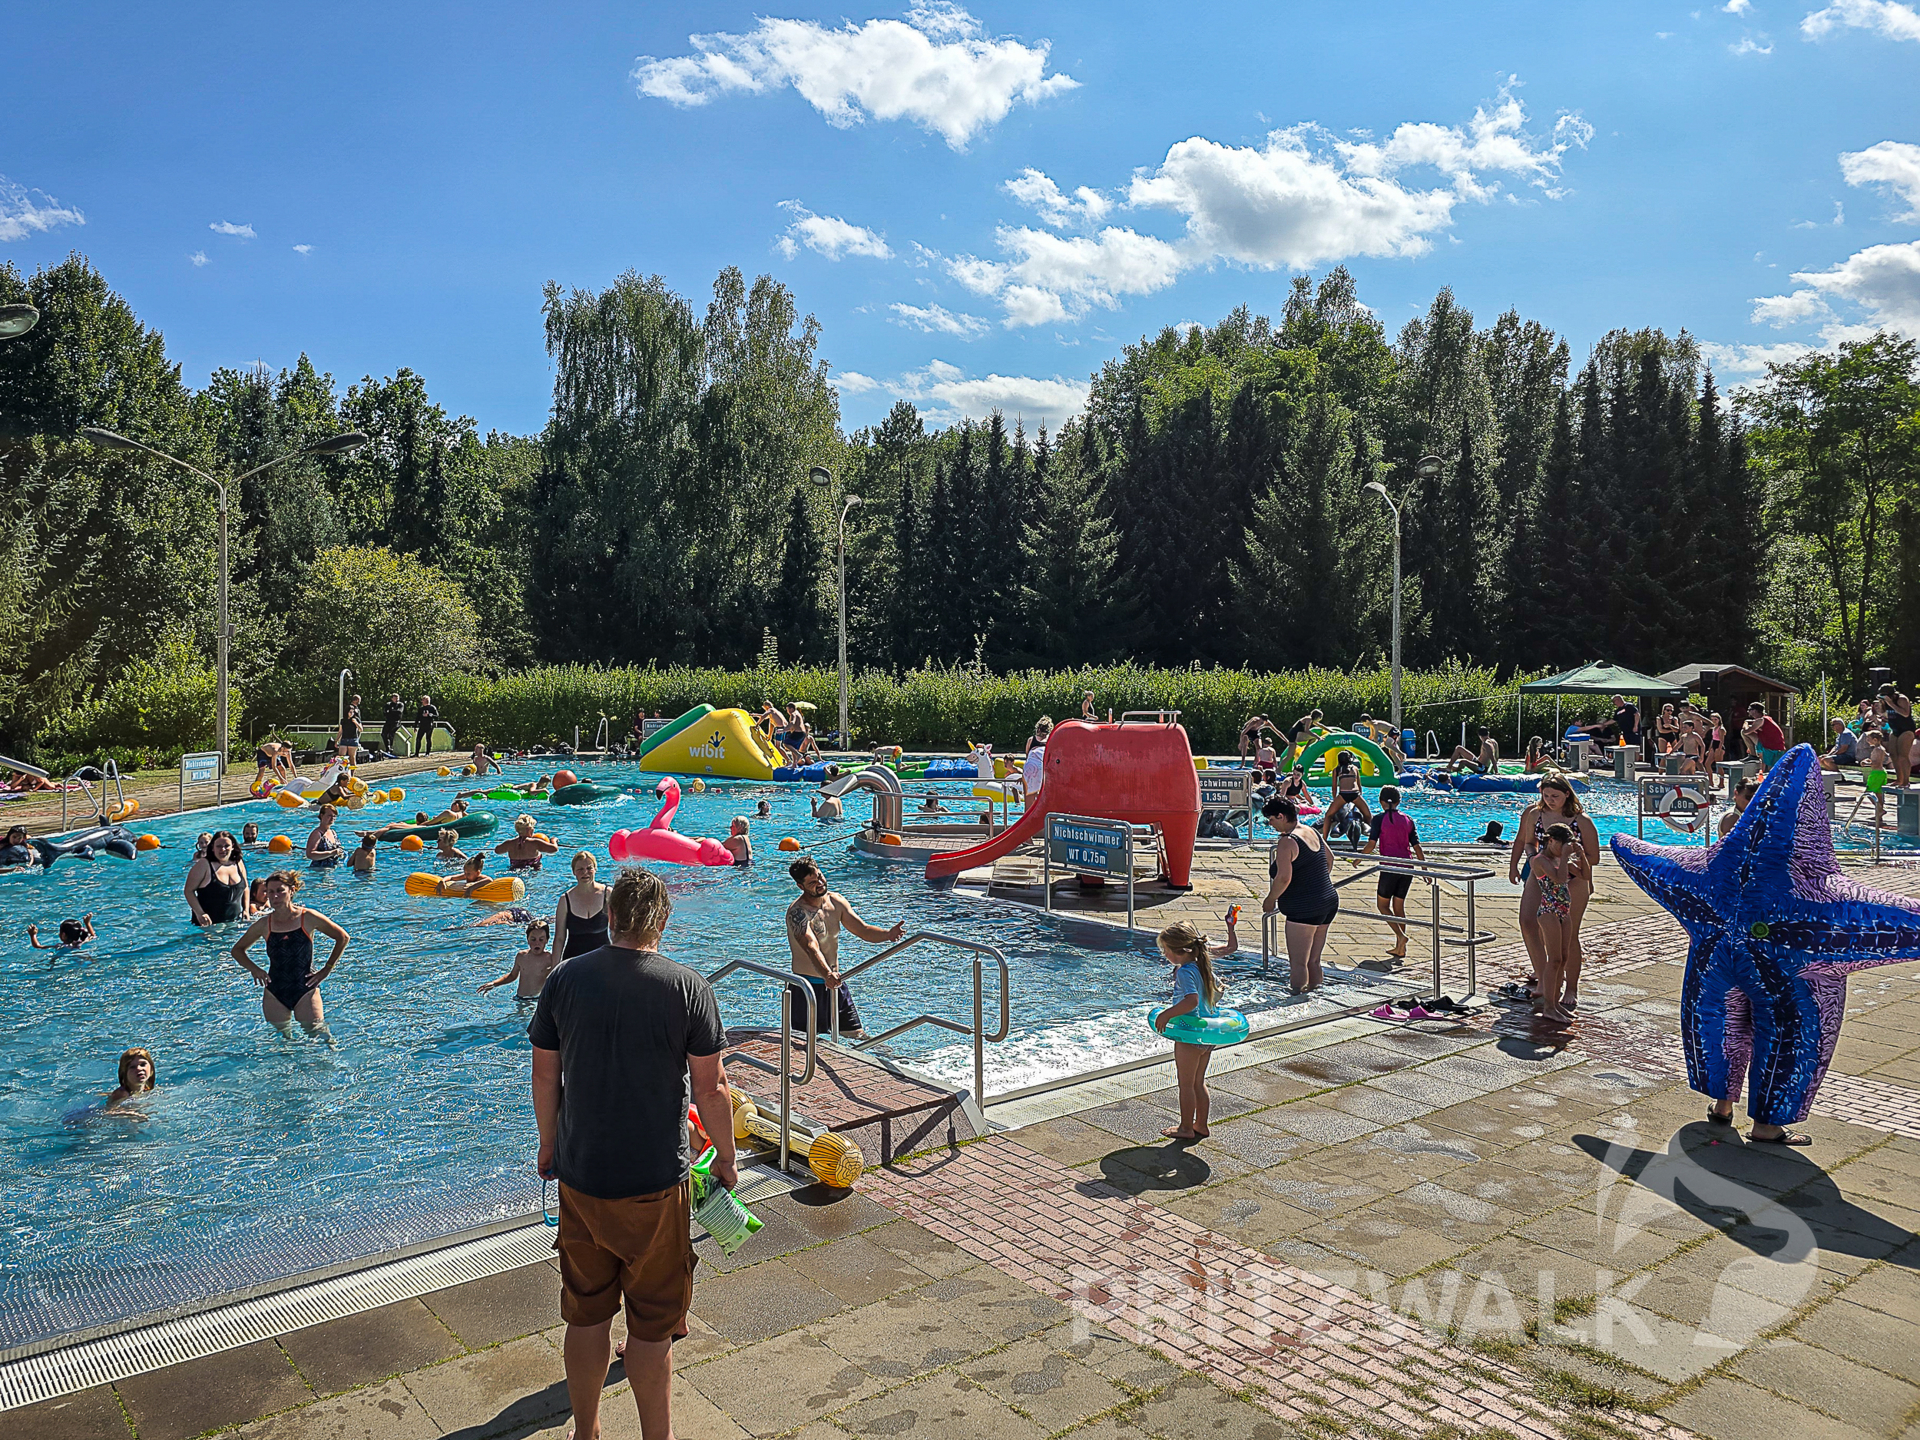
[(722, 743), (1322, 757)]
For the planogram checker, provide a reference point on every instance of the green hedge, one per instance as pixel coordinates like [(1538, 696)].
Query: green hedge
[(152, 714), (946, 709)]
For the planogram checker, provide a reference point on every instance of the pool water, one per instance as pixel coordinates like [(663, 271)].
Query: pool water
[(262, 1155)]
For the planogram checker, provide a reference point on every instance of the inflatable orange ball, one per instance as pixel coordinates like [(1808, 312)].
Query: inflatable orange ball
[(411, 843), (789, 843), (280, 845), (147, 842), (563, 778)]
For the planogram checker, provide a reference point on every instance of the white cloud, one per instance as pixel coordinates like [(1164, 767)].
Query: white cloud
[(947, 395), (852, 382), (829, 235), (1887, 18), (1298, 201), (1038, 192), (1750, 46), (1778, 310), (197, 258), (227, 227), (25, 212), (1891, 164), (1737, 7), (938, 320), (1751, 360), (937, 69), (1883, 280), (304, 249)]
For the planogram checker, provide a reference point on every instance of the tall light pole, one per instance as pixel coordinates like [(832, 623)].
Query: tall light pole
[(822, 476), (17, 320), (1428, 467), (112, 440)]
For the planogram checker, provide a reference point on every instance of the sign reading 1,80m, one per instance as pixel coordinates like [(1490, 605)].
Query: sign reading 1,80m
[(1090, 847)]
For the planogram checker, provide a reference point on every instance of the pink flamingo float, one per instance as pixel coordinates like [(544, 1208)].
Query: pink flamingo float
[(659, 841)]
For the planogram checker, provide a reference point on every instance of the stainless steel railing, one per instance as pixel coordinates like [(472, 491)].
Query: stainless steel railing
[(978, 1031), (788, 1080), (1470, 936), (110, 772)]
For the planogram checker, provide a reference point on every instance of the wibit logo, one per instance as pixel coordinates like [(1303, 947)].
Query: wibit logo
[(714, 749)]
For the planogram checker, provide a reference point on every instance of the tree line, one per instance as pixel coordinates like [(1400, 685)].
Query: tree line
[(1212, 506)]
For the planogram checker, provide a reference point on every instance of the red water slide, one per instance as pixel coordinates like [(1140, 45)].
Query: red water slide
[(1142, 773)]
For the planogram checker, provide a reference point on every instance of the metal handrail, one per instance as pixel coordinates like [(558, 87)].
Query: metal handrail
[(1472, 935), (978, 1029), (110, 771), (1160, 717), (787, 1078)]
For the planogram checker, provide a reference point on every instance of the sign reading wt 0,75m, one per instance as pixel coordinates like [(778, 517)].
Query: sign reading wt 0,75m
[(1087, 845)]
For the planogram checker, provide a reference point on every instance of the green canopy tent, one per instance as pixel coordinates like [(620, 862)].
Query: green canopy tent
[(1597, 677)]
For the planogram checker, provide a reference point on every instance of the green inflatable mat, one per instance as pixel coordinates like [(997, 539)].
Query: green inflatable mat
[(584, 793), (474, 824), (506, 794)]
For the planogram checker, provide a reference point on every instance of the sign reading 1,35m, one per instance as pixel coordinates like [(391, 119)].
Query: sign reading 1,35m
[(1088, 847)]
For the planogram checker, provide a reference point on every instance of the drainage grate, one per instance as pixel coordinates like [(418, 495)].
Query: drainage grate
[(191, 1337)]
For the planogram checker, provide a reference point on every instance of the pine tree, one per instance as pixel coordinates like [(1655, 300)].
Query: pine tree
[(799, 604), (1071, 596), (1544, 617), (908, 611), (1456, 580), (941, 627)]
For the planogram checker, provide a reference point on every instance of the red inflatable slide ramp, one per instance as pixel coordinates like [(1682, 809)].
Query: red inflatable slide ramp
[(1137, 772)]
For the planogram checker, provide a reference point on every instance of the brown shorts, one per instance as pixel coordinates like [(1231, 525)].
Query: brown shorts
[(640, 1247)]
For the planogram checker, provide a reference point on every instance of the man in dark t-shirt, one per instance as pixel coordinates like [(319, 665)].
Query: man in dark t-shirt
[(1626, 720), (423, 718), (623, 1040)]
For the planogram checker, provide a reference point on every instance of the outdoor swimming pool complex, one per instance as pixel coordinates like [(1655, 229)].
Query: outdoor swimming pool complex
[(264, 1156)]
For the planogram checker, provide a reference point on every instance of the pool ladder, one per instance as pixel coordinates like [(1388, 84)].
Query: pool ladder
[(789, 981), (101, 813)]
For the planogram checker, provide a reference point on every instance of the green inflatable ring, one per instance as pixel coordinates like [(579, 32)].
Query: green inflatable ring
[(1375, 768), (584, 793), (673, 728), (473, 824), (506, 794)]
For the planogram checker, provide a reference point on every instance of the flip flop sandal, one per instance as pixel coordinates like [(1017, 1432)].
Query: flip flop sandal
[(1785, 1138), (1420, 1012), (1387, 1012), (1714, 1117)]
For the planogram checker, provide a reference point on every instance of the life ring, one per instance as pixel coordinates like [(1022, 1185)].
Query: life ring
[(1683, 807), (123, 811), (1225, 1027)]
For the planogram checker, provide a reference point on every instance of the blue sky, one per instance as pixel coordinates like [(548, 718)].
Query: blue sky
[(981, 205)]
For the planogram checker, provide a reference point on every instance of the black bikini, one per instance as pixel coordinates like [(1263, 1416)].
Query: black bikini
[(1309, 898), (289, 965), (220, 901), (584, 932)]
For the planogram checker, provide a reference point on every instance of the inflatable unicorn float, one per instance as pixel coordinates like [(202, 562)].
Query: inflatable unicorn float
[(661, 842)]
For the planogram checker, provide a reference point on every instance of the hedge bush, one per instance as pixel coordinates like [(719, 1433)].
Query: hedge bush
[(156, 711), (946, 709)]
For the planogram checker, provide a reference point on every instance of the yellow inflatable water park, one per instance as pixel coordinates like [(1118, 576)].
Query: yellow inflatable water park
[(705, 741)]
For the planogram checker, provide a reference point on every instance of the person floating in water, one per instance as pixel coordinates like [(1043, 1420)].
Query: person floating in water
[(531, 966), (15, 852), (363, 860), (737, 843), (764, 810), (137, 1077), (825, 807), (292, 984), (73, 934), (323, 845)]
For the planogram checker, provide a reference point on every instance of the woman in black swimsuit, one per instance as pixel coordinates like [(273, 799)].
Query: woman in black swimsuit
[(217, 883), (580, 920), (1301, 890), (1897, 711), (293, 985)]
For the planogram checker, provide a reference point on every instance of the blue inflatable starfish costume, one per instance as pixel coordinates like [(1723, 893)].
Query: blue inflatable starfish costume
[(1775, 928)]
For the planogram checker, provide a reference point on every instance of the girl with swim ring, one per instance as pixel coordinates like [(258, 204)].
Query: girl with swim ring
[(216, 887), (1198, 989), (292, 984)]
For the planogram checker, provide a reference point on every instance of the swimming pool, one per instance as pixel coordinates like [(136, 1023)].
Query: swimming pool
[(264, 1156)]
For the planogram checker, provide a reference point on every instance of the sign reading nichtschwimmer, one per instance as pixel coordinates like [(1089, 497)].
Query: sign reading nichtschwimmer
[(1088, 845), (200, 769), (1225, 789)]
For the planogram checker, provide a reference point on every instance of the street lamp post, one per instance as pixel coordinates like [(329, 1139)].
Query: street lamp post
[(112, 440), (820, 475), (1428, 467)]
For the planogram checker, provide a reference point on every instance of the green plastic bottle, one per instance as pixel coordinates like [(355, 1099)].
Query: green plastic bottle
[(718, 1209)]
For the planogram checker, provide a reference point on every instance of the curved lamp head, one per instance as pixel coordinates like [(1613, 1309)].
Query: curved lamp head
[(17, 320), (1377, 488), (1428, 466), (853, 500), (820, 475), (107, 439), (339, 444)]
